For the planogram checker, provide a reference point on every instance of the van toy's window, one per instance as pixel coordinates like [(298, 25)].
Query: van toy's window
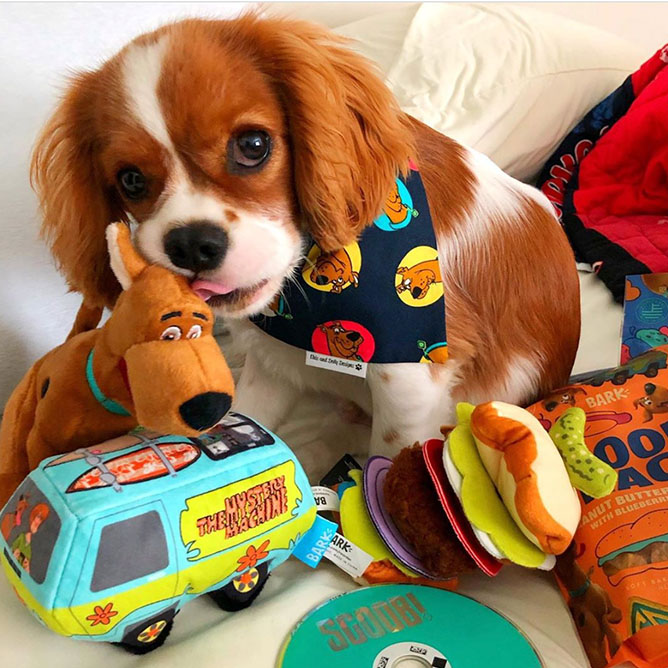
[(130, 549), (30, 526)]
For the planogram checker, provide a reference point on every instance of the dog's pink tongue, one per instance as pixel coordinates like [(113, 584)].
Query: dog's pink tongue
[(208, 289)]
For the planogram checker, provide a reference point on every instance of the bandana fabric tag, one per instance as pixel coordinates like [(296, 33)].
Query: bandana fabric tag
[(379, 299), (353, 368)]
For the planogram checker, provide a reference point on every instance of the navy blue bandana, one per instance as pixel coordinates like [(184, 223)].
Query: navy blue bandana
[(379, 299)]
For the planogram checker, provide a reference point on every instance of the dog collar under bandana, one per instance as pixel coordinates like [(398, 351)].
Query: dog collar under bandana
[(379, 299), (109, 404)]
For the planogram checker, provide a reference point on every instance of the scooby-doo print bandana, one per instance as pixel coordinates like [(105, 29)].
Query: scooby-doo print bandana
[(379, 299)]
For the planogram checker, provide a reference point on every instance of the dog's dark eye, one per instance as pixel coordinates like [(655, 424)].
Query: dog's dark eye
[(250, 148), (132, 183)]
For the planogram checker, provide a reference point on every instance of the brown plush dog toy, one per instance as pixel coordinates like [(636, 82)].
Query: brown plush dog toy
[(591, 608), (154, 362)]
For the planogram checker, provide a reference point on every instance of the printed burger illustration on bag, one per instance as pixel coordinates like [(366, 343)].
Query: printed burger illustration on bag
[(615, 574)]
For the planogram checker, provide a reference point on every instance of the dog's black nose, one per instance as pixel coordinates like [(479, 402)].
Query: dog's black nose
[(205, 410), (650, 388), (321, 280), (416, 292), (198, 246), (353, 336)]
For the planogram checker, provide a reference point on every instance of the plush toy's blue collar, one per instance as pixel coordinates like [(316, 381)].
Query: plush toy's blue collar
[(580, 591), (109, 404)]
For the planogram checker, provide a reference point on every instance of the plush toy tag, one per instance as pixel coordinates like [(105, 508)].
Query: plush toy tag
[(316, 542), (339, 472), (325, 498), (348, 556)]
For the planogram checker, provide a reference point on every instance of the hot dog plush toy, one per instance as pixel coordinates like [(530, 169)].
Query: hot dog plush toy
[(154, 362)]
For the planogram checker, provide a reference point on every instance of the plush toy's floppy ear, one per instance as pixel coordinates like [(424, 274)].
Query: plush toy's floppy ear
[(125, 261)]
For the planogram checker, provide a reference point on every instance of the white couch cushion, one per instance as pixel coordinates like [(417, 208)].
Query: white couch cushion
[(510, 82)]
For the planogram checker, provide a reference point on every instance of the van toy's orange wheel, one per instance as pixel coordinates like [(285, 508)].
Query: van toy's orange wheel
[(242, 589), (247, 581), (152, 632), (149, 634)]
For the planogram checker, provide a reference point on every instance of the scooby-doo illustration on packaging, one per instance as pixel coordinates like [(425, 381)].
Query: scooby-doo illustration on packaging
[(645, 324), (109, 542), (615, 574)]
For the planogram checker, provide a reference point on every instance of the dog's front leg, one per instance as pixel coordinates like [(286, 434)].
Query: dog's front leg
[(410, 403), (262, 394)]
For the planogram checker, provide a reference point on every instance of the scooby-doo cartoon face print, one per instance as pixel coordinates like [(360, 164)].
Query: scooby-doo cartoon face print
[(657, 283), (564, 396), (394, 208), (654, 401), (342, 342), (335, 269), (378, 299), (419, 278)]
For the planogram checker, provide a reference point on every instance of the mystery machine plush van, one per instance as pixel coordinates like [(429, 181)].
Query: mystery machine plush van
[(109, 542)]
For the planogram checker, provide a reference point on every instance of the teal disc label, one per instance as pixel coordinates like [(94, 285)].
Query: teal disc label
[(376, 627)]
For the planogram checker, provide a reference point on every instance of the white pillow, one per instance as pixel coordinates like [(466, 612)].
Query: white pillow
[(510, 82)]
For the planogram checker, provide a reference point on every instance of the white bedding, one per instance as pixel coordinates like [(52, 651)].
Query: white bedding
[(523, 123)]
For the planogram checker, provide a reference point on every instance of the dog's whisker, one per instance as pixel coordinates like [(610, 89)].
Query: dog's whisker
[(295, 282)]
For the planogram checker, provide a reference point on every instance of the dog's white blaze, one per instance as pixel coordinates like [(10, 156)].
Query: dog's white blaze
[(259, 246), (142, 67), (179, 204)]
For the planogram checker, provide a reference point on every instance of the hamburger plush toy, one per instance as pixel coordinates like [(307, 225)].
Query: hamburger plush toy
[(497, 490)]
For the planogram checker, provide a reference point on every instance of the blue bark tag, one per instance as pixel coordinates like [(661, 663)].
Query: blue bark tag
[(312, 547)]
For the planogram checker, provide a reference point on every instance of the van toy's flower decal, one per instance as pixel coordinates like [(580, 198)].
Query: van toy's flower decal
[(252, 556), (102, 615)]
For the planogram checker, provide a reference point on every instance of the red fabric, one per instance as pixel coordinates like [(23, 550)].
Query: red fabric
[(623, 182)]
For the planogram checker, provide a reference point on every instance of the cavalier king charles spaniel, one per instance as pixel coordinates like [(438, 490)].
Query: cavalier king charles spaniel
[(227, 143)]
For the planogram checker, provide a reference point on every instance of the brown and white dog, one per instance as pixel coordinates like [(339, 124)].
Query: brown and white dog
[(224, 141)]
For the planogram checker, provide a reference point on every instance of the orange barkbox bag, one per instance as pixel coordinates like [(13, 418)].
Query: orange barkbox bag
[(615, 574)]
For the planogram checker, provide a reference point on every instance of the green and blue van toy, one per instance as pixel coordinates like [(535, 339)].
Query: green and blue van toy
[(109, 542)]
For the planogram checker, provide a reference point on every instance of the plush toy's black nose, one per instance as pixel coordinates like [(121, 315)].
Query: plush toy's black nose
[(416, 292), (650, 388), (353, 336), (321, 280), (206, 409), (198, 246)]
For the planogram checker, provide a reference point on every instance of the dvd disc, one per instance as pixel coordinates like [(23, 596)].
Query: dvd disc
[(381, 626)]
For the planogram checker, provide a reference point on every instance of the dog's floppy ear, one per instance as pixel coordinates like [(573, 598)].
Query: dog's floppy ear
[(349, 138), (125, 261), (74, 203)]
